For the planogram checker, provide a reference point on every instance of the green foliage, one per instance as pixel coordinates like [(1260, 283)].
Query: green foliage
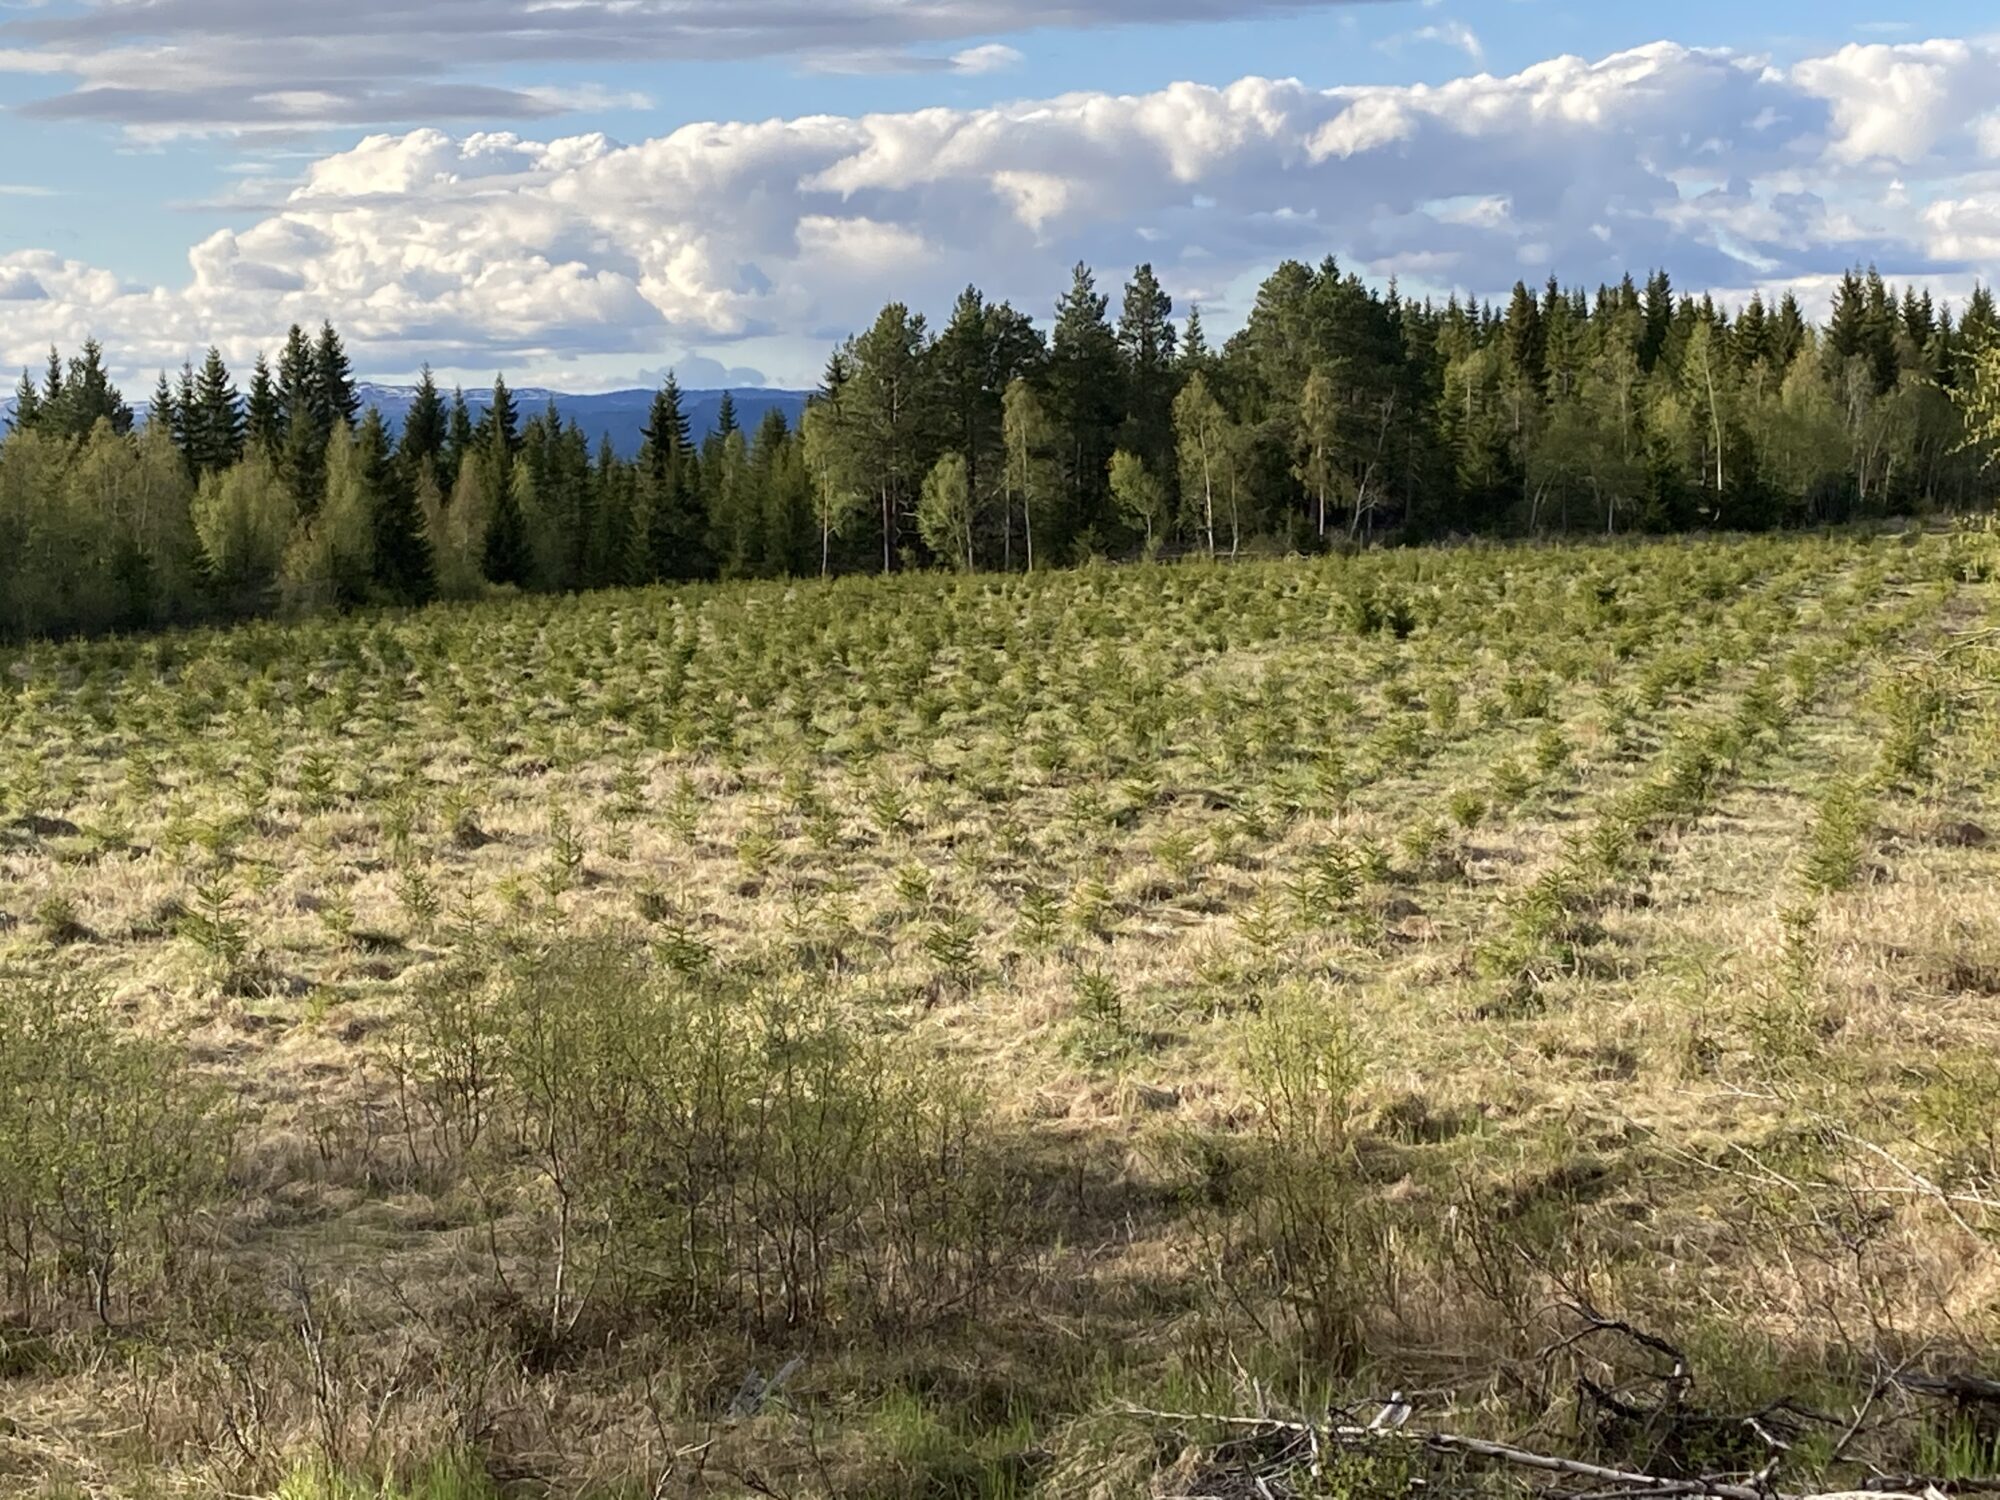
[(1566, 413), (1917, 710), (712, 1144), (111, 1151), (1305, 1211), (1837, 840)]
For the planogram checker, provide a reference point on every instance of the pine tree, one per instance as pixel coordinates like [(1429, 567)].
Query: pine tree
[(725, 416), (961, 363)]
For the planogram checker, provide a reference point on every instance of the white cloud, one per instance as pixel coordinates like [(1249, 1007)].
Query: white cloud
[(169, 68), (993, 57), (1455, 34), (495, 249), (698, 372), (1900, 102)]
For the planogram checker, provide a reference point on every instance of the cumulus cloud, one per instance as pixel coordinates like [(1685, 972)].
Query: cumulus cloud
[(495, 249), (1899, 103), (163, 68)]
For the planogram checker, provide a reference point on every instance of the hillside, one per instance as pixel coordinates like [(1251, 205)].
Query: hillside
[(1556, 982), (618, 415)]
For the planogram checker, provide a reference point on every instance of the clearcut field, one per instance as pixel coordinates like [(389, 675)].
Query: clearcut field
[(486, 1035)]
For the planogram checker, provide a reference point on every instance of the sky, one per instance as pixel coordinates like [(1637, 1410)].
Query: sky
[(587, 193)]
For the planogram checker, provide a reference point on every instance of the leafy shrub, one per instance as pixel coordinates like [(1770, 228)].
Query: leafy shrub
[(714, 1145), (110, 1151), (1304, 1209)]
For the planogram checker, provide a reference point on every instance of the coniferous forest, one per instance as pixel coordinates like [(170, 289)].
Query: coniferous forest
[(1340, 413)]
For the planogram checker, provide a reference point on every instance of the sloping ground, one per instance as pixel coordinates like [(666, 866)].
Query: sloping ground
[(1010, 999)]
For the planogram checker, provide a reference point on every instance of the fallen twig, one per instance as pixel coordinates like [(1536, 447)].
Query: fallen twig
[(1629, 1485)]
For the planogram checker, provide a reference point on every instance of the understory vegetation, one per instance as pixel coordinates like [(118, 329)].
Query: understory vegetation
[(1060, 1033)]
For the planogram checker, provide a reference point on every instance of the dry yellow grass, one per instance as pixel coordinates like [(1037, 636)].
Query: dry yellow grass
[(1158, 807)]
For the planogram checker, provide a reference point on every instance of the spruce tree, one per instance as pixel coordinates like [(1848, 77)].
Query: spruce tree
[(405, 569), (503, 422), (163, 412), (610, 506), (460, 440), (1753, 333), (303, 457), (186, 418), (264, 414), (1146, 346), (52, 389), (1980, 325), (1788, 332), (509, 555), (1085, 402), (333, 380), (675, 416), (669, 496), (27, 405), (216, 430), (1658, 314), (89, 397), (725, 415), (426, 427), (1194, 343)]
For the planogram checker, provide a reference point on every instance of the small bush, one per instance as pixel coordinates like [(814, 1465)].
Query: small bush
[(110, 1151)]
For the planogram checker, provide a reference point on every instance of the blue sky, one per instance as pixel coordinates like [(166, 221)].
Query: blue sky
[(133, 132)]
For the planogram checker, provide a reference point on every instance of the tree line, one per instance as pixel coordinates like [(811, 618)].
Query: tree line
[(1340, 413)]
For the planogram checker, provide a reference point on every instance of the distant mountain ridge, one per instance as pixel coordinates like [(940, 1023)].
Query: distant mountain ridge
[(618, 415)]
